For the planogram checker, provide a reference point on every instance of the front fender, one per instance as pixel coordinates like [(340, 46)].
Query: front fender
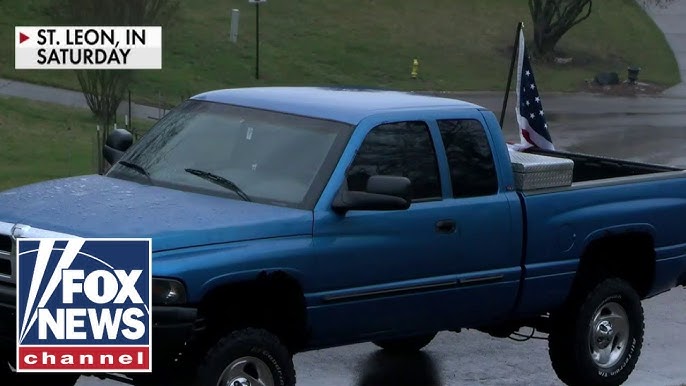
[(205, 268), (245, 276)]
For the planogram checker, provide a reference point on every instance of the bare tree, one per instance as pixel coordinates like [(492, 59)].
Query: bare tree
[(104, 89), (553, 18)]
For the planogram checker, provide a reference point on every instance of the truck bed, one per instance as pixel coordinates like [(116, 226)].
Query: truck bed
[(560, 223), (590, 167)]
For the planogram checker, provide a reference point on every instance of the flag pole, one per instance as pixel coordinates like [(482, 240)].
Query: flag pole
[(515, 51)]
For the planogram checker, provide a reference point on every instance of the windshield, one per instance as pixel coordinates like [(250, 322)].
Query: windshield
[(241, 153)]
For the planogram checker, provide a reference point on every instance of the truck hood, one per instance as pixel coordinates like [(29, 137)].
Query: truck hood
[(98, 206)]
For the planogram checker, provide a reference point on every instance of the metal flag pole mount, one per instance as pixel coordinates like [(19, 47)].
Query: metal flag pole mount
[(515, 52)]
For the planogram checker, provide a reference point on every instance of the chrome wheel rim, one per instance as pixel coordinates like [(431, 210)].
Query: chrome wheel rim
[(246, 371), (609, 335)]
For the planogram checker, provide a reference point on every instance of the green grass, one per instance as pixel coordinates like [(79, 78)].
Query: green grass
[(461, 45), (42, 141)]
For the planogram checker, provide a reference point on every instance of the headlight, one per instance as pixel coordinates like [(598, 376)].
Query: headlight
[(167, 292)]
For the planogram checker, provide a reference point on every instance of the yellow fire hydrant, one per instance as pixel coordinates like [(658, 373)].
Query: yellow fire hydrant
[(415, 68)]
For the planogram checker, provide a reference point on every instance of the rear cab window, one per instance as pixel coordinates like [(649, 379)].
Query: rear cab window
[(470, 158)]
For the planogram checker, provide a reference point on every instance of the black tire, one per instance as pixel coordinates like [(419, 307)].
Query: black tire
[(253, 343), (571, 344), (405, 345), (10, 378)]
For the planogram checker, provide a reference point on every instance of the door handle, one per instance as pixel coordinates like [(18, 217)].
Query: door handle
[(446, 226)]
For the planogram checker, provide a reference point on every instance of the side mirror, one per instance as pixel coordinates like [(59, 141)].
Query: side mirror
[(116, 145), (382, 193)]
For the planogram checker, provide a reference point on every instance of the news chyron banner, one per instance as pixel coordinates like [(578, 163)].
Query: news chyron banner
[(87, 48), (83, 305)]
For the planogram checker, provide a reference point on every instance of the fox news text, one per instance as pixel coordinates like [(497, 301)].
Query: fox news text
[(84, 305)]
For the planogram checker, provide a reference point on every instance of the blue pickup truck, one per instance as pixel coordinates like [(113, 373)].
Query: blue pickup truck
[(287, 219)]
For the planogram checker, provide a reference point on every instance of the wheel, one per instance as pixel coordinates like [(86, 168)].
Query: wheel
[(598, 341), (249, 357), (11, 378), (405, 345)]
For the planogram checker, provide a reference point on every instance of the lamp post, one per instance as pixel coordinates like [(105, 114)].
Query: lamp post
[(257, 35)]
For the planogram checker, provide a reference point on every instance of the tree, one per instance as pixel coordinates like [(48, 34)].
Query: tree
[(553, 18), (104, 89)]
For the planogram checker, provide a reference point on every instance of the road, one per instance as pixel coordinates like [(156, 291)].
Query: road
[(649, 129), (473, 358), (643, 128)]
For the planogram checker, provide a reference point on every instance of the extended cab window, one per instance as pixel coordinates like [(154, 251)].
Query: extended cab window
[(398, 149), (472, 168)]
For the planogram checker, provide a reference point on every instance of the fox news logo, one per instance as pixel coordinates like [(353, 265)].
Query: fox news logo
[(83, 305)]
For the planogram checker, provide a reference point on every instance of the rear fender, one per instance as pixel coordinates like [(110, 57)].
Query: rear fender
[(618, 230)]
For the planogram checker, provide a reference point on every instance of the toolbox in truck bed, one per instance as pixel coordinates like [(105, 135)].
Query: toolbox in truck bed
[(533, 171)]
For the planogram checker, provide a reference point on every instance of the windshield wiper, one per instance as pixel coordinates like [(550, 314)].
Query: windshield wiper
[(219, 180), (136, 167)]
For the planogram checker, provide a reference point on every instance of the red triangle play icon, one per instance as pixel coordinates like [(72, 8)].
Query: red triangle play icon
[(23, 37)]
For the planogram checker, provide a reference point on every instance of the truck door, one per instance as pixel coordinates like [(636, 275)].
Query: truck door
[(485, 249), (404, 271)]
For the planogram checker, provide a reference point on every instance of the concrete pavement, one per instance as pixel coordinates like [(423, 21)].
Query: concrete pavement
[(670, 19), (69, 98), (475, 359), (472, 358)]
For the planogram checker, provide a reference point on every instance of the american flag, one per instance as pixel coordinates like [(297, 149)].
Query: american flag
[(533, 128)]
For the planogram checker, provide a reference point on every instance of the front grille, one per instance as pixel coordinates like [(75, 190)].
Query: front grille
[(5, 243), (6, 251)]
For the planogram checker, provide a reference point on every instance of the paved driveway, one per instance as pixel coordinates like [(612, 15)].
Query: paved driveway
[(473, 358)]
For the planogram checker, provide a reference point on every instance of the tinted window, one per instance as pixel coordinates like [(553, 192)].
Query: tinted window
[(472, 168), (398, 149)]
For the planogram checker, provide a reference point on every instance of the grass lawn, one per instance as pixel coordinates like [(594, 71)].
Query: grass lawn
[(461, 45), (42, 141)]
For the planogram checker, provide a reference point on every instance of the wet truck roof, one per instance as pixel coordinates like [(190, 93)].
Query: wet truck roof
[(339, 104)]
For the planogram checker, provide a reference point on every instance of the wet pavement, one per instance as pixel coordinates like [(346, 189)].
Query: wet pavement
[(69, 98), (472, 358), (651, 129), (640, 128)]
